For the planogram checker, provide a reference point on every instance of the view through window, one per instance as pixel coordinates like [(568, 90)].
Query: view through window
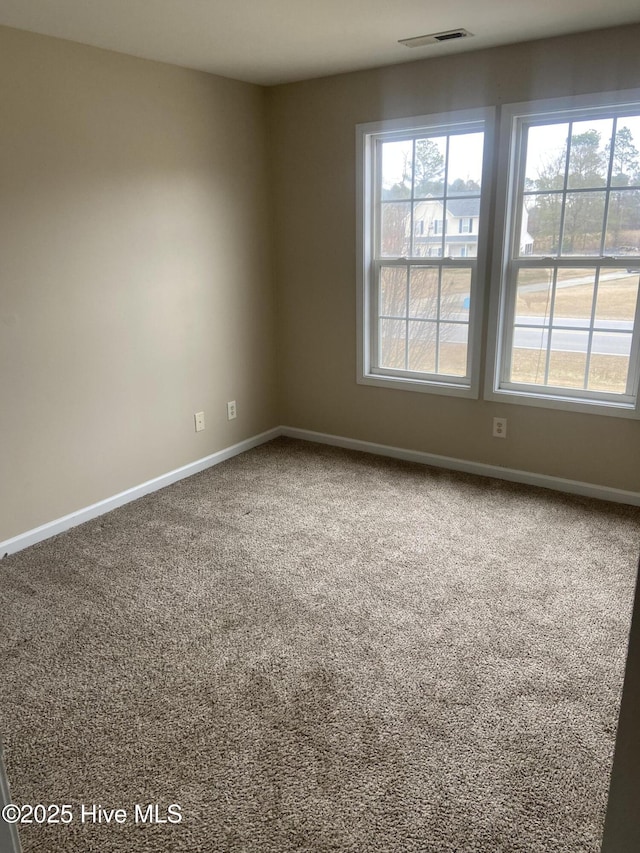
[(575, 266), (565, 327)]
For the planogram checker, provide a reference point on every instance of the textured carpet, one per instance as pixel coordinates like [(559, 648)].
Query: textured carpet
[(316, 650)]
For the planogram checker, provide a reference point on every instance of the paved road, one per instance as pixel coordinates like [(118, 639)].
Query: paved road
[(567, 340), (604, 343), (615, 341)]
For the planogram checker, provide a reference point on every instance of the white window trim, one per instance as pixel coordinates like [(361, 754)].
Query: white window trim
[(499, 292), (365, 134)]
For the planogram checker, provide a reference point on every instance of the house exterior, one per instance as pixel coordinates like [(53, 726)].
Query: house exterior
[(446, 228), (449, 228)]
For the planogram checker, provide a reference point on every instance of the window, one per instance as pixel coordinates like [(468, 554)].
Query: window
[(465, 226), (419, 295), (567, 313)]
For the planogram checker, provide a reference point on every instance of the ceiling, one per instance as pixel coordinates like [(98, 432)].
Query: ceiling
[(277, 41)]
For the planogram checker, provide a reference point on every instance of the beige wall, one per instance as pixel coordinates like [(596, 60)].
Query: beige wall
[(135, 267), (135, 283), (313, 165)]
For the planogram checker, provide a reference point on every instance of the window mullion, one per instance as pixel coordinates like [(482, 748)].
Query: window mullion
[(512, 270), (592, 323), (377, 198), (605, 221), (508, 328), (565, 183), (412, 199), (375, 323), (406, 314), (445, 207), (516, 215), (438, 314), (550, 329)]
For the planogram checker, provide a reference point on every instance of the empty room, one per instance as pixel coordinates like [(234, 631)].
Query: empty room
[(319, 427)]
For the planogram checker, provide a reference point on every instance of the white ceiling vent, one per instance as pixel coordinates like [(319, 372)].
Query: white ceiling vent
[(432, 38)]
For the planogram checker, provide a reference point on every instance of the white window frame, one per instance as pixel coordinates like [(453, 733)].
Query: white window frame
[(507, 232), (367, 136)]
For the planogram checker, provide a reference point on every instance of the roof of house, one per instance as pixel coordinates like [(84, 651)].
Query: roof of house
[(458, 205), (464, 206)]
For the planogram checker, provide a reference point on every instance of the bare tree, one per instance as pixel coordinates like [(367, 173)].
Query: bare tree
[(584, 211), (420, 303)]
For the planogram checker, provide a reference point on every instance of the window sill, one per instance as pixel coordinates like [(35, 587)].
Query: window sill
[(622, 409), (424, 386)]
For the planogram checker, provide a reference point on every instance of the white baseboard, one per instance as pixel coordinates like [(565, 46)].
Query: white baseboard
[(59, 525), (558, 484), (52, 528)]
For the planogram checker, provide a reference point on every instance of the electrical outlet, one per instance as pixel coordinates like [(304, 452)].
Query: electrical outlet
[(199, 419), (499, 427), (231, 410)]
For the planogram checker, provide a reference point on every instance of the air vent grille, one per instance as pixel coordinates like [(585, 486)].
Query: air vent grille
[(454, 34), (433, 38)]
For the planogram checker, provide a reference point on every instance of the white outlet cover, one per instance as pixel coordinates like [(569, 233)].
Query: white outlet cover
[(499, 427)]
